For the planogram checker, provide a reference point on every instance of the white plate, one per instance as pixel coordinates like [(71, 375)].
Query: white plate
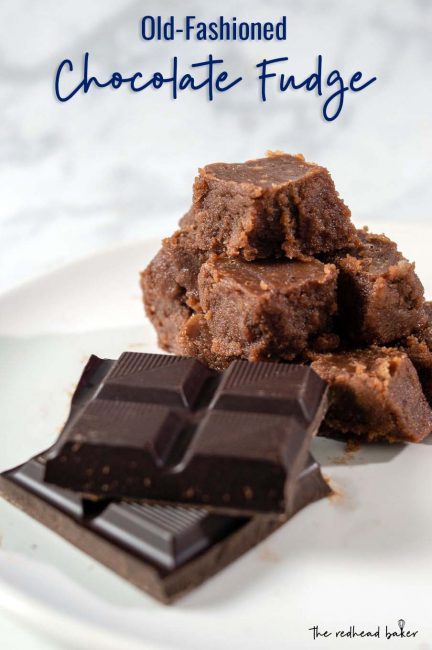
[(362, 557)]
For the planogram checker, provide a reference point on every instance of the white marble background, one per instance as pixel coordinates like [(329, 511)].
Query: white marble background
[(111, 167)]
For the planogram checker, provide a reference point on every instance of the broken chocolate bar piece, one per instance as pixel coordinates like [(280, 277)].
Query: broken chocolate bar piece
[(271, 207), (164, 550), (166, 429), (375, 394), (264, 310), (380, 297)]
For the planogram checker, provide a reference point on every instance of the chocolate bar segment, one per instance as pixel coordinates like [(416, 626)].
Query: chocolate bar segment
[(271, 207), (155, 379), (166, 535), (174, 442), (274, 388), (164, 550)]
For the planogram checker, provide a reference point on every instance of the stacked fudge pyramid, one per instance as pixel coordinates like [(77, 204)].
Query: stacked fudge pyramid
[(267, 265)]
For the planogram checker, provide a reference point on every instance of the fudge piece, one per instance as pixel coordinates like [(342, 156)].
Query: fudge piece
[(376, 394), (270, 207), (170, 288), (164, 301), (277, 308), (195, 340), (179, 328), (418, 347), (170, 292), (179, 262), (166, 428), (269, 309), (164, 550), (380, 297)]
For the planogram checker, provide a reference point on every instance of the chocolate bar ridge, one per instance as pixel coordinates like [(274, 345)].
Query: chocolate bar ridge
[(163, 550), (165, 429)]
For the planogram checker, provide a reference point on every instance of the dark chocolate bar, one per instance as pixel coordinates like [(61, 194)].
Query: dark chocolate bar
[(164, 550), (168, 429)]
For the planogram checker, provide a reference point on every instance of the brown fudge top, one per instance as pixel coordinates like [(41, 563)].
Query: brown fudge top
[(262, 310), (372, 362), (375, 255), (263, 172), (262, 277), (270, 207)]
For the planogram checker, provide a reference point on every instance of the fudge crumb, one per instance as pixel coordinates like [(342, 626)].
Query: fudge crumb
[(352, 445), (268, 555), (334, 492)]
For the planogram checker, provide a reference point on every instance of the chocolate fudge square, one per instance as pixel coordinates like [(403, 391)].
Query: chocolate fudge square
[(170, 287), (380, 297), (375, 394), (418, 347), (263, 310), (270, 207)]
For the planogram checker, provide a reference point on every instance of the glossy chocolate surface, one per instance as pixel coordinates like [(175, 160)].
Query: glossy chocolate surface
[(168, 429), (164, 550)]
